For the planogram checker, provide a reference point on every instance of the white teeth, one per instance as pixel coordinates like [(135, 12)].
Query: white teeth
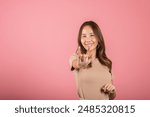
[(89, 45)]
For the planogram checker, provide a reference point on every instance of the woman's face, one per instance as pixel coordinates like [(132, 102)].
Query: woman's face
[(88, 38)]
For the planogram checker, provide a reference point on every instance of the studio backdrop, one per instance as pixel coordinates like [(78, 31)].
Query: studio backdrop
[(37, 38)]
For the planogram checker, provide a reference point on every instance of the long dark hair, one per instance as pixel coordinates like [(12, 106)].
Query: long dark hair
[(100, 49)]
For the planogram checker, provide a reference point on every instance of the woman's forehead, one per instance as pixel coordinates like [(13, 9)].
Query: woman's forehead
[(87, 30)]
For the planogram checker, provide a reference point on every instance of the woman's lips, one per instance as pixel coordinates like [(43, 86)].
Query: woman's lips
[(89, 44)]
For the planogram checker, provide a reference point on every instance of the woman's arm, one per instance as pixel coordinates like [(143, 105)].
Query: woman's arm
[(75, 64)]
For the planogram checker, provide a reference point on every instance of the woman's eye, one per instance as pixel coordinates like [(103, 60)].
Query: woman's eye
[(92, 35), (83, 36)]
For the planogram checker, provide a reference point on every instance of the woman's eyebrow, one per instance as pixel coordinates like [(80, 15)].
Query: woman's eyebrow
[(83, 34)]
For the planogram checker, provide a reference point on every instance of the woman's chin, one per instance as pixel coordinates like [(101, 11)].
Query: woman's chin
[(89, 49)]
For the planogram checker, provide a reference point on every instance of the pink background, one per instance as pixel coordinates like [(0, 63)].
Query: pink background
[(37, 37)]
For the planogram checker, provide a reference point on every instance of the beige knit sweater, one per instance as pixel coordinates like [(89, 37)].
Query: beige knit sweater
[(90, 81)]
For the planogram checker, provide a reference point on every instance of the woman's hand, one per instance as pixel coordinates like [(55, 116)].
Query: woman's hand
[(84, 59), (108, 88)]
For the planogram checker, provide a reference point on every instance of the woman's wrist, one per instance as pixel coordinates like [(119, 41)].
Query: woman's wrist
[(75, 64), (112, 94)]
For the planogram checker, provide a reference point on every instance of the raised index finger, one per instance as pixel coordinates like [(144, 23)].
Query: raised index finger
[(88, 52)]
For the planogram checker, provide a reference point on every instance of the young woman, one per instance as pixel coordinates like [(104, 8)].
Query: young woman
[(91, 66)]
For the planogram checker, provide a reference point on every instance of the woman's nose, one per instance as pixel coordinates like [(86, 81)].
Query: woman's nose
[(88, 38)]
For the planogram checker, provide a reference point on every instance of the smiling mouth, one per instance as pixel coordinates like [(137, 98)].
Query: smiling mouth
[(89, 45)]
